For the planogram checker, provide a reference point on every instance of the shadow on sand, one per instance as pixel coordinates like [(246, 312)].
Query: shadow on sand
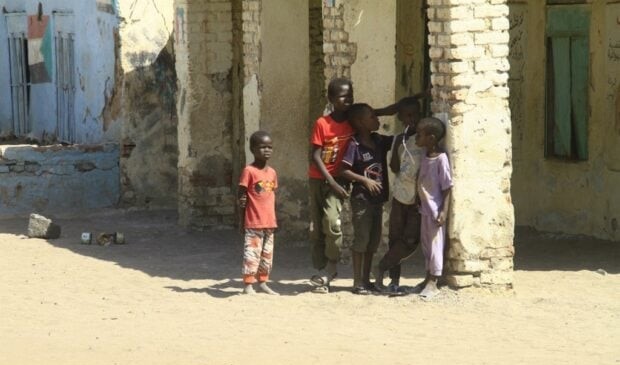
[(157, 246), (541, 251)]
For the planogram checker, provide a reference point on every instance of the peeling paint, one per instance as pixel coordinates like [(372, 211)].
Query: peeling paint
[(222, 81)]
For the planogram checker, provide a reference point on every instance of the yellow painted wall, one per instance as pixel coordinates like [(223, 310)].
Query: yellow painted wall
[(372, 26), (551, 194), (284, 80), (285, 85), (410, 28)]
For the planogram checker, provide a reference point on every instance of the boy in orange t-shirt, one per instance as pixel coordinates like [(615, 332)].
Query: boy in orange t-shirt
[(257, 214), (329, 139), (327, 189)]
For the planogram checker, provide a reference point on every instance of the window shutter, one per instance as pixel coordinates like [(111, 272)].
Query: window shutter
[(567, 30)]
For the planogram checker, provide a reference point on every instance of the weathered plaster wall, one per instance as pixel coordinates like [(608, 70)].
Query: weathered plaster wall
[(95, 28), (550, 194), (317, 78), (371, 26), (284, 104), (149, 148), (369, 35), (410, 47), (468, 51), (57, 179), (204, 53)]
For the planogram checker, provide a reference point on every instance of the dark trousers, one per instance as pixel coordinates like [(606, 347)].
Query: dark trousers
[(404, 237)]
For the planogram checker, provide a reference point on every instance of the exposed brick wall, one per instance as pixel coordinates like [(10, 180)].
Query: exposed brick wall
[(339, 53), (204, 69), (250, 38)]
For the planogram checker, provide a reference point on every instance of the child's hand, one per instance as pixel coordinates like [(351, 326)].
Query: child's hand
[(338, 189), (441, 219), (243, 199), (398, 141), (372, 186)]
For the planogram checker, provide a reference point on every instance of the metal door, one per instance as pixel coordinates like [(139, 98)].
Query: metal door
[(65, 77), (18, 65)]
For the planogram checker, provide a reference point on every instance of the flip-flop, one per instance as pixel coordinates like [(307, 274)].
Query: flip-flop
[(321, 280), (372, 288), (318, 280), (323, 289)]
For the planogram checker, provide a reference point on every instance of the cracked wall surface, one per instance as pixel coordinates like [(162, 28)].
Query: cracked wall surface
[(573, 197), (149, 147), (94, 33), (284, 106), (57, 179), (469, 65), (204, 53)]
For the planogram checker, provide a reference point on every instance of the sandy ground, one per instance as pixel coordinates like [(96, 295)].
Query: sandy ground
[(173, 297)]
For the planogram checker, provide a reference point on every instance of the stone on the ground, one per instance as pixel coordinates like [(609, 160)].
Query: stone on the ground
[(41, 227)]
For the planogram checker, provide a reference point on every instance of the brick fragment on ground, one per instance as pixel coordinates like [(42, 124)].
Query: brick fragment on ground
[(41, 227)]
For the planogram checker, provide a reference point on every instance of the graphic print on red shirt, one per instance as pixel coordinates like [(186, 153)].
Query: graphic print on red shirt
[(260, 208), (333, 138)]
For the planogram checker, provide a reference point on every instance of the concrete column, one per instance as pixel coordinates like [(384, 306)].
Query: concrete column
[(204, 54), (468, 50), (246, 92)]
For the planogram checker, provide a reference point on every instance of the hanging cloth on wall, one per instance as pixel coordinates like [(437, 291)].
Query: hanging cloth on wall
[(40, 44)]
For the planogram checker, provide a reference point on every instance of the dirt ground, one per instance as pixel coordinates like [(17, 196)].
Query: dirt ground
[(173, 297)]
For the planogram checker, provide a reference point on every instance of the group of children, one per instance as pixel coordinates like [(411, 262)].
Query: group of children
[(349, 160)]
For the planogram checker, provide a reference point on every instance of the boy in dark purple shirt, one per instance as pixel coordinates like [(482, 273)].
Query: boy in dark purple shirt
[(365, 164)]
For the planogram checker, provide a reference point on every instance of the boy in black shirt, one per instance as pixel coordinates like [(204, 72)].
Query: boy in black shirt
[(365, 164)]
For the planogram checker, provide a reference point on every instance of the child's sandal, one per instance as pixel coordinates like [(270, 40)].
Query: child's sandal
[(323, 289), (321, 280)]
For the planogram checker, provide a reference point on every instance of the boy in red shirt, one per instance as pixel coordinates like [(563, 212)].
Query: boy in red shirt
[(329, 139), (257, 214)]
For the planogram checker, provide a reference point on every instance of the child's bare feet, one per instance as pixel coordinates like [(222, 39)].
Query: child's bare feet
[(248, 289), (266, 289)]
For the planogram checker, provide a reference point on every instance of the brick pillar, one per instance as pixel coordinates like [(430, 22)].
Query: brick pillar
[(339, 52), (204, 53), (468, 50)]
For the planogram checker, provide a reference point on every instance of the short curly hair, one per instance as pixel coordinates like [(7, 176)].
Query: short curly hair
[(336, 84), (257, 137), (356, 111), (434, 127)]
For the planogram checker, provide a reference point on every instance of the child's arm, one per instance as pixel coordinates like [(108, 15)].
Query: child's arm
[(348, 160), (445, 206), (393, 108), (388, 110), (372, 186), (395, 159), (242, 199), (316, 157), (445, 182)]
